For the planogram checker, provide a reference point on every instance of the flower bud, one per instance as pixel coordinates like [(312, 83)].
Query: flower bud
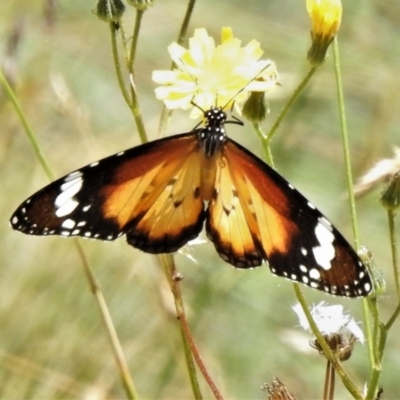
[(110, 10)]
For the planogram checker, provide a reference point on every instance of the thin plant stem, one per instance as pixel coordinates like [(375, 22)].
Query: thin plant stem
[(373, 345), (186, 20), (117, 65), (164, 121), (165, 113), (346, 147), (379, 349), (110, 329), (168, 263), (137, 114), (132, 99), (329, 388), (393, 246), (377, 367), (393, 317), (199, 360), (132, 54), (95, 287), (289, 104), (28, 130), (265, 144), (349, 176), (124, 42)]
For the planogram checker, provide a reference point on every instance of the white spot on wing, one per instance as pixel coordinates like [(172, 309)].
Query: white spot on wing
[(314, 274), (66, 208), (325, 252), (325, 223), (14, 220), (68, 224), (311, 205), (72, 176), (68, 190), (65, 202)]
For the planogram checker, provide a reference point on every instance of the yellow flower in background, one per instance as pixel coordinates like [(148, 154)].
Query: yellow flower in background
[(326, 16), (210, 75)]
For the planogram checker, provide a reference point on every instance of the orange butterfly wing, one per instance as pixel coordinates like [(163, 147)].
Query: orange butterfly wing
[(256, 215), (150, 193)]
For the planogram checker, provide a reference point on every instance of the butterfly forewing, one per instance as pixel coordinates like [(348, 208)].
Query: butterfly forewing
[(121, 194)]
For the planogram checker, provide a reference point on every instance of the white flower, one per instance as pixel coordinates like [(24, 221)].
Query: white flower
[(331, 320)]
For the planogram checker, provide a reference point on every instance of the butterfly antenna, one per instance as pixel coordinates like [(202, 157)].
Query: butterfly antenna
[(245, 86)]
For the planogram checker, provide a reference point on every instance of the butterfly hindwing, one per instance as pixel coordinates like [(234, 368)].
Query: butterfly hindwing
[(127, 193), (280, 225)]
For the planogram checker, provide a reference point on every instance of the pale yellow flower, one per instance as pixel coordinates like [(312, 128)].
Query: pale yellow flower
[(209, 75), (326, 16)]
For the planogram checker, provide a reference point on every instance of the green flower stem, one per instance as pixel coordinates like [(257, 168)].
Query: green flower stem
[(294, 97), (265, 144), (377, 367), (395, 256), (380, 346), (168, 263), (132, 54), (110, 329), (164, 121), (393, 317), (186, 20), (95, 288), (373, 344), (28, 130), (165, 113), (117, 65), (329, 388), (326, 349), (199, 360), (137, 114), (124, 41), (346, 149), (131, 100), (349, 176)]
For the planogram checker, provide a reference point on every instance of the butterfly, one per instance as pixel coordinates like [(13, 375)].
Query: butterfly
[(160, 194)]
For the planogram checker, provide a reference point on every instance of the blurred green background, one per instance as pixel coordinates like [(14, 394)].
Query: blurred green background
[(52, 342)]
